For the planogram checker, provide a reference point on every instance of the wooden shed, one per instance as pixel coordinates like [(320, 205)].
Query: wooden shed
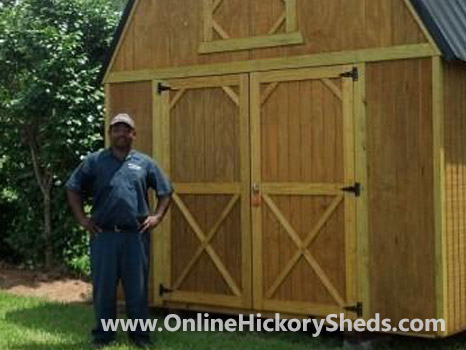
[(317, 149)]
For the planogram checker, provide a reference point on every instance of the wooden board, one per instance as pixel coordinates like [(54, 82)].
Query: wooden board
[(455, 193), (400, 189), (165, 34), (303, 223), (206, 137)]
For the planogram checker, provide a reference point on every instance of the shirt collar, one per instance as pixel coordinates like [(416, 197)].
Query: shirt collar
[(132, 154)]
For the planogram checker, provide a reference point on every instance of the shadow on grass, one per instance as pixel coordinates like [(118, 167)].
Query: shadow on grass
[(61, 326), (49, 326)]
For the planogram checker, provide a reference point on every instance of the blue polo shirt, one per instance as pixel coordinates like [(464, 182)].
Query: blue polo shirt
[(119, 187)]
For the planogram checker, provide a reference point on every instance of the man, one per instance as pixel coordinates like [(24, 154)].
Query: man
[(118, 179)]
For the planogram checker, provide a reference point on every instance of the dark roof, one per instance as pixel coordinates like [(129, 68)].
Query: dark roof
[(446, 22), (116, 38)]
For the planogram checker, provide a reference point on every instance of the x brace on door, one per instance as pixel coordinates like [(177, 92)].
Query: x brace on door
[(303, 248)]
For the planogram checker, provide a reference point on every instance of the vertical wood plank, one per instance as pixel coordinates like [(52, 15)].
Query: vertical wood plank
[(453, 165), (164, 134), (161, 236), (255, 120), (361, 176), (207, 18), (461, 204), (439, 185), (449, 188), (291, 20), (349, 157), (245, 163), (461, 91)]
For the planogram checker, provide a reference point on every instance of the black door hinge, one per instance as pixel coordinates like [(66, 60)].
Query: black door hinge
[(356, 189), (353, 73), (163, 290), (161, 88), (355, 308)]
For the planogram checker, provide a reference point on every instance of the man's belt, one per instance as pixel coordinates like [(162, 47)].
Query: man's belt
[(120, 228)]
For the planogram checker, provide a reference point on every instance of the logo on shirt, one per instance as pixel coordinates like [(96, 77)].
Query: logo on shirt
[(134, 166)]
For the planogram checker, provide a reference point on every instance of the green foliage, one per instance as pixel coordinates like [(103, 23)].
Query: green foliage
[(119, 5), (51, 52)]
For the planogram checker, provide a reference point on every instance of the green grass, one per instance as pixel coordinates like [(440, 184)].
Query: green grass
[(35, 324)]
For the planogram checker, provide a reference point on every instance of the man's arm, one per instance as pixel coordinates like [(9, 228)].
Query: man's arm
[(75, 202), (152, 221)]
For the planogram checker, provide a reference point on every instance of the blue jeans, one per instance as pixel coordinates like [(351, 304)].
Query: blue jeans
[(116, 255)]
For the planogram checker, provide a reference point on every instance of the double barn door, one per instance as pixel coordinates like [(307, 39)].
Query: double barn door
[(263, 216)]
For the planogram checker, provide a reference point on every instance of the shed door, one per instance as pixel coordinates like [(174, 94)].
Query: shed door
[(303, 222), (203, 140)]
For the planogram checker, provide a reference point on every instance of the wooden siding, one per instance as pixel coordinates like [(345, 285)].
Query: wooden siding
[(168, 33), (455, 193), (400, 189), (136, 100)]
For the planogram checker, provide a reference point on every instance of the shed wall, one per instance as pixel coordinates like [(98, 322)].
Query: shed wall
[(136, 100), (400, 188), (168, 33), (455, 193)]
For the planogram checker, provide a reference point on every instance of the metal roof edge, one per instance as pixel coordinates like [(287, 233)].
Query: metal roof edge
[(434, 30)]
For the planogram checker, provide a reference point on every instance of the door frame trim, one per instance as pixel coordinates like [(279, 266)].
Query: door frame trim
[(349, 155), (161, 242)]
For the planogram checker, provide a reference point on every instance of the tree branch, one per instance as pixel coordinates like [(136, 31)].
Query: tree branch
[(35, 161)]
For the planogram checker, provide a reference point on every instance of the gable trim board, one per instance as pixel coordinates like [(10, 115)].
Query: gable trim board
[(117, 39), (422, 26)]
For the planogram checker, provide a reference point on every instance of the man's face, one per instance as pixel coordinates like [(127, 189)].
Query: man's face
[(121, 135)]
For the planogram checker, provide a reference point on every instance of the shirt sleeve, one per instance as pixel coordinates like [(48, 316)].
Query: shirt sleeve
[(157, 180), (81, 178)]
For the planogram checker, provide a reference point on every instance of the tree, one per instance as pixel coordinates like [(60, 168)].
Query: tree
[(51, 106)]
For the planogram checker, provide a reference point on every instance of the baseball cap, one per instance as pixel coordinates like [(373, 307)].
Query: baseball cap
[(123, 118)]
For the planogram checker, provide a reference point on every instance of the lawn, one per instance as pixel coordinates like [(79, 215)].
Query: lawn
[(32, 323)]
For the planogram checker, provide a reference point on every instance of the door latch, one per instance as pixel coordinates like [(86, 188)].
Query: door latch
[(163, 289), (256, 197)]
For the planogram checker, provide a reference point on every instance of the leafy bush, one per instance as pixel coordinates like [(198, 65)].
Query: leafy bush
[(51, 115)]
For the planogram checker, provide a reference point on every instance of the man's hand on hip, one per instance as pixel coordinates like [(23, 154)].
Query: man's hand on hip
[(90, 226), (151, 222)]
